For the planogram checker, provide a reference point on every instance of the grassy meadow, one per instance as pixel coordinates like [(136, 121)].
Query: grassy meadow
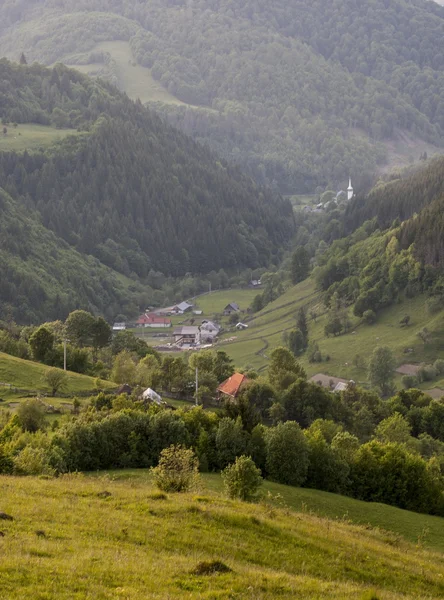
[(136, 80), (26, 378), (214, 303), (102, 538), (28, 137)]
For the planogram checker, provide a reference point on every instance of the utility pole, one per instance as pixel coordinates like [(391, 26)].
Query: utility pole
[(64, 353), (197, 386)]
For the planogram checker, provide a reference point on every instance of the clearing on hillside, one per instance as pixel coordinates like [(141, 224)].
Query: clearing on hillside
[(28, 137), (134, 79)]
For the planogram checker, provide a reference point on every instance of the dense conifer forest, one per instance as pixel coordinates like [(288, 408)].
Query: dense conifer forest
[(128, 190), (299, 93)]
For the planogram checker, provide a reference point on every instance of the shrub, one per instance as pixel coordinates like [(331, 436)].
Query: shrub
[(409, 381), (426, 373), (32, 461), (177, 471), (31, 415), (210, 568), (369, 317), (439, 366), (242, 479)]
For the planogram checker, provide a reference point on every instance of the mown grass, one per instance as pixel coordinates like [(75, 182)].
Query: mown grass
[(27, 136), (215, 302), (26, 375), (68, 540)]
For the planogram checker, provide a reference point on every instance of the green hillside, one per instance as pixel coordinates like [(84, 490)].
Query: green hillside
[(131, 543), (365, 285), (19, 378), (283, 89)]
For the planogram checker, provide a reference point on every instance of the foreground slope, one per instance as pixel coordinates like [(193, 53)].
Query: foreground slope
[(129, 543), (301, 93)]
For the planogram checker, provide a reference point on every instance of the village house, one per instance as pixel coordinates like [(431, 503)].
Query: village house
[(232, 387), (334, 384), (231, 308), (152, 320), (119, 326), (187, 336), (176, 309), (209, 331)]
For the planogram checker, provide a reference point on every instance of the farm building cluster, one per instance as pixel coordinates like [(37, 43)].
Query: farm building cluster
[(193, 331)]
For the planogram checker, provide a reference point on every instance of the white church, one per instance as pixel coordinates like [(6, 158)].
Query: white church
[(350, 192)]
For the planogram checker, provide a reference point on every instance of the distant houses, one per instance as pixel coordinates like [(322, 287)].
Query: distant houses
[(188, 335), (231, 308), (176, 309), (153, 320), (209, 332), (334, 384)]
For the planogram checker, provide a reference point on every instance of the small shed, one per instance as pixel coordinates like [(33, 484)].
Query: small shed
[(152, 396), (231, 308)]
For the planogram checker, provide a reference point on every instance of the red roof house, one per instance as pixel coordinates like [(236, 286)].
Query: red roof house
[(153, 320), (233, 385)]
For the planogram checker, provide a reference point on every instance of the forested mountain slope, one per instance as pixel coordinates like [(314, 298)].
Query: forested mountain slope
[(403, 195), (128, 190), (132, 191), (43, 277), (300, 93)]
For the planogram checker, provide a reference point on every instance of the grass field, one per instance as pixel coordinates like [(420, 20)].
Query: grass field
[(28, 137), (27, 376), (68, 540), (215, 302), (427, 529), (136, 80), (252, 346)]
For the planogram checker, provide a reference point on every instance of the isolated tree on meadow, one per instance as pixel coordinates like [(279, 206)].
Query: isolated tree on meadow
[(56, 379), (242, 479)]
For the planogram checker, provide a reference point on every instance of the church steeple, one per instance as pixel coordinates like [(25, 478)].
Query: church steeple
[(350, 192)]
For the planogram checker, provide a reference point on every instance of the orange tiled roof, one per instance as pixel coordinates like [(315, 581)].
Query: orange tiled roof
[(232, 385)]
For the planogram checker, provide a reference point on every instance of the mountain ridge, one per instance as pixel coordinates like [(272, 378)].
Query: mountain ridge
[(294, 82)]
